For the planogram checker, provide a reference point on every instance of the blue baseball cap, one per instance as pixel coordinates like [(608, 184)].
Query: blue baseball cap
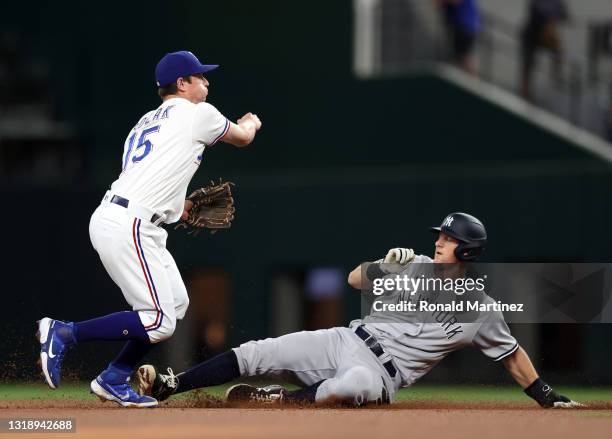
[(179, 65)]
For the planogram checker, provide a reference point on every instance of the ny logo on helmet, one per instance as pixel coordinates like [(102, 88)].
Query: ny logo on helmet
[(448, 221)]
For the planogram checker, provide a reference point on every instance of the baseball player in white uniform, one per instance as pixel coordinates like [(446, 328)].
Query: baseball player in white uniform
[(371, 359), (160, 156)]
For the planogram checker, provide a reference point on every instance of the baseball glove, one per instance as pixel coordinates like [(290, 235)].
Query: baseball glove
[(213, 208)]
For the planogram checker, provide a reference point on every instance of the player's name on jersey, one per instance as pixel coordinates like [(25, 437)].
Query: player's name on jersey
[(460, 306), (160, 113)]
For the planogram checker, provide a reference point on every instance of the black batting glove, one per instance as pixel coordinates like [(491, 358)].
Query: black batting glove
[(548, 398)]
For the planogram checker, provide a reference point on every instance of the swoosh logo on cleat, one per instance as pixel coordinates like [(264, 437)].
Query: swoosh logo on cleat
[(51, 354)]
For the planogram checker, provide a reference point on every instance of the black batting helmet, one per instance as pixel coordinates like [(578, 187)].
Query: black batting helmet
[(470, 233)]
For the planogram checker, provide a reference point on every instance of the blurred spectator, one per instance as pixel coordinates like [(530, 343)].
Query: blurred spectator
[(463, 23), (324, 287), (541, 32)]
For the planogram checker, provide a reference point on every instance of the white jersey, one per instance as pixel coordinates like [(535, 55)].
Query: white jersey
[(163, 151)]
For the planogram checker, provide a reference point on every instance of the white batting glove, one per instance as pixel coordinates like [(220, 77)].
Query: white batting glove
[(400, 256)]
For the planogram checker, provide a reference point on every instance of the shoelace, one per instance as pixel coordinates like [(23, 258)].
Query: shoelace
[(169, 380)]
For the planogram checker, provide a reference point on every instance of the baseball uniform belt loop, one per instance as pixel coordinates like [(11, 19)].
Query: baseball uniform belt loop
[(376, 348), (138, 211)]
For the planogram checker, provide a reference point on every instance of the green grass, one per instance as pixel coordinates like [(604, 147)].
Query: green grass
[(496, 393), (80, 391), (73, 391), (43, 392)]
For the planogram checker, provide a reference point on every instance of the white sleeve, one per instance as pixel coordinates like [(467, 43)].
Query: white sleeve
[(494, 339), (209, 125)]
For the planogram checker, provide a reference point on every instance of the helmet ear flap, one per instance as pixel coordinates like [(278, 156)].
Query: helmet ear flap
[(468, 251)]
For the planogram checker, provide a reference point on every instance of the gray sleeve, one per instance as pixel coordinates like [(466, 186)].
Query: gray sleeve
[(494, 339)]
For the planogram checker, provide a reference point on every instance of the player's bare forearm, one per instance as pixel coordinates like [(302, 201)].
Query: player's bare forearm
[(354, 278), (360, 277), (520, 367), (250, 128), (242, 133)]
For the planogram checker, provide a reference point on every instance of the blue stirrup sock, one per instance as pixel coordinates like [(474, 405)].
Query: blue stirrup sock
[(123, 325), (131, 355)]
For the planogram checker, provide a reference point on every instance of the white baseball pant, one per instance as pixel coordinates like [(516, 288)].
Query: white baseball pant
[(133, 251)]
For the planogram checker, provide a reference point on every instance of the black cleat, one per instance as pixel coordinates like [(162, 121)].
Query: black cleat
[(247, 393)]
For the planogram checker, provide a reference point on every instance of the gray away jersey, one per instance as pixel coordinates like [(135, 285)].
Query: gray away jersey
[(418, 344)]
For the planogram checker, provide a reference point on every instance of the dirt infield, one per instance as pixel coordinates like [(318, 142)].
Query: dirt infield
[(413, 419)]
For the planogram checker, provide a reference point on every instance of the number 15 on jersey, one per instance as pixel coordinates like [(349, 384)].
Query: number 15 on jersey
[(144, 146)]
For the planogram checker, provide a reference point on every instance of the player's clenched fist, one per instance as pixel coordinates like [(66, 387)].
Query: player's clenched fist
[(252, 117), (400, 256)]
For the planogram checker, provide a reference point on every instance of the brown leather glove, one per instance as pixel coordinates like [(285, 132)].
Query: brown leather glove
[(213, 208)]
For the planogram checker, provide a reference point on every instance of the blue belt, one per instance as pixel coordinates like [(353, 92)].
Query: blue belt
[(376, 349), (124, 202)]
